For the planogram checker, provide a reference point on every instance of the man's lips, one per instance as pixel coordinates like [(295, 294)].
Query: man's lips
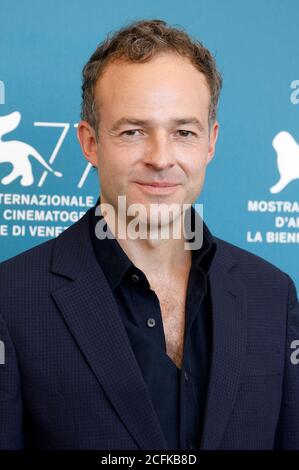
[(153, 187), (159, 185)]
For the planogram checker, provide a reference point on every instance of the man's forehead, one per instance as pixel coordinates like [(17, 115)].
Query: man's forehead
[(124, 100), (112, 75)]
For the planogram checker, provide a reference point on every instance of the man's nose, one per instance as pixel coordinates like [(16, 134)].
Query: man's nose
[(159, 153)]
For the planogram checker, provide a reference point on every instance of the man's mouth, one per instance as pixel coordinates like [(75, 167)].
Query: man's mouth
[(154, 187)]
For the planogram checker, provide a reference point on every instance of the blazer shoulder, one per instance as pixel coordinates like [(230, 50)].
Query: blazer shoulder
[(32, 257), (26, 272), (250, 263)]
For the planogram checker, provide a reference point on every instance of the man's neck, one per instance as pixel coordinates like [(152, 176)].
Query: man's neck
[(156, 256), (164, 257)]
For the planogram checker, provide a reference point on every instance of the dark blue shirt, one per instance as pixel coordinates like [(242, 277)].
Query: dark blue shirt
[(178, 395)]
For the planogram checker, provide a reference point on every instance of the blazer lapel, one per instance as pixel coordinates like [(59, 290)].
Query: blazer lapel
[(91, 314), (228, 297)]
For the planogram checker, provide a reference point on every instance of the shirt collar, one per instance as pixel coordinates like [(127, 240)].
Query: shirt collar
[(115, 262)]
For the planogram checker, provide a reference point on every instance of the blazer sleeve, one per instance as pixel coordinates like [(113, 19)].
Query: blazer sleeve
[(11, 421), (287, 434)]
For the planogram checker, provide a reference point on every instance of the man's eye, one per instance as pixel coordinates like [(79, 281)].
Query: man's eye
[(185, 133), (130, 132)]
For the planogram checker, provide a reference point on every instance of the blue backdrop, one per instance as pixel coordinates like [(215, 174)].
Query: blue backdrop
[(43, 47)]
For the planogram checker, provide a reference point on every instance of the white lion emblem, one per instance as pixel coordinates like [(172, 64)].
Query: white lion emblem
[(17, 153), (287, 160)]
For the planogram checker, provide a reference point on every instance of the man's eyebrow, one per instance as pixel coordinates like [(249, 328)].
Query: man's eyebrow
[(144, 122)]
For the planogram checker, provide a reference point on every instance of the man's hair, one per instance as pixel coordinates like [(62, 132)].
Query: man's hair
[(139, 42)]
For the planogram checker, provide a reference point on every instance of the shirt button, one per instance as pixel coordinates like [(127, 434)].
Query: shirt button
[(151, 322), (186, 375), (135, 277)]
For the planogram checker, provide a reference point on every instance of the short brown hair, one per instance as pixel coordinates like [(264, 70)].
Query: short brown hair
[(139, 42)]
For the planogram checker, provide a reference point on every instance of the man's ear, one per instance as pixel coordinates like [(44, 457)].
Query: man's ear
[(87, 139), (213, 139)]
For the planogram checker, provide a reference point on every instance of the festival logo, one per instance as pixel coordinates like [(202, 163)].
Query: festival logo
[(287, 151), (18, 153)]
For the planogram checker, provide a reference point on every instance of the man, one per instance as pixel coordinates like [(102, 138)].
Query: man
[(138, 343)]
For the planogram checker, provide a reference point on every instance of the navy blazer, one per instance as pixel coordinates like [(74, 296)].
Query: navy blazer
[(70, 378)]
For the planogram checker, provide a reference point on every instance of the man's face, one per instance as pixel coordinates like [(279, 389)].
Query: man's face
[(153, 128)]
